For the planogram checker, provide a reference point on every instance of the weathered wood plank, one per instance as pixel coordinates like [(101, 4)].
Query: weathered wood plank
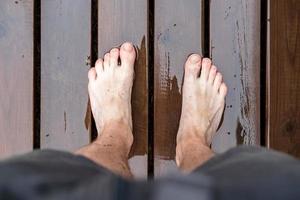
[(177, 34), (235, 50), (65, 49), (120, 21), (284, 73), (16, 77)]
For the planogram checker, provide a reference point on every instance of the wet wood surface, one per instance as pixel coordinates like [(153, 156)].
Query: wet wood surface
[(235, 50), (65, 51), (284, 73), (177, 35), (16, 77), (120, 21)]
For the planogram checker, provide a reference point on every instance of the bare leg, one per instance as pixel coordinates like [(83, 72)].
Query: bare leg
[(202, 108), (110, 88)]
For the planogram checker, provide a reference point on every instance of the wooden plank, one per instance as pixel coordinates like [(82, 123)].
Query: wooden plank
[(16, 77), (177, 34), (120, 21), (65, 49), (267, 82), (235, 50), (284, 73)]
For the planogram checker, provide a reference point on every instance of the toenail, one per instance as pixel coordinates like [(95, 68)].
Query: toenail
[(127, 46), (99, 61), (114, 50), (206, 60), (107, 55), (195, 58)]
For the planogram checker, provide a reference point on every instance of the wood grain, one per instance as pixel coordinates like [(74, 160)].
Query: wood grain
[(177, 34), (284, 73), (120, 21), (235, 50), (65, 50), (16, 77)]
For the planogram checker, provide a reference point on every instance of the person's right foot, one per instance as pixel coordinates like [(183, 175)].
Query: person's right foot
[(203, 100)]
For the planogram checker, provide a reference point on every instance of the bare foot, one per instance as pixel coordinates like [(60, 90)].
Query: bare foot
[(202, 105), (110, 87)]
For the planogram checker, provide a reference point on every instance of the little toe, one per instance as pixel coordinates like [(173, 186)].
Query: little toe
[(127, 54), (99, 66), (114, 56), (92, 74), (192, 66), (212, 74), (106, 61), (206, 65), (217, 81), (223, 90)]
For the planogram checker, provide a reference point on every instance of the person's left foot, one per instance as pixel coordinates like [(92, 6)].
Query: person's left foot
[(110, 85)]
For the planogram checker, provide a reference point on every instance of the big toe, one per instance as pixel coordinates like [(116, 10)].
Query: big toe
[(127, 54), (193, 65)]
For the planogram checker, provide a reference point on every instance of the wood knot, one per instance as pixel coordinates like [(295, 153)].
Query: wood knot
[(289, 128)]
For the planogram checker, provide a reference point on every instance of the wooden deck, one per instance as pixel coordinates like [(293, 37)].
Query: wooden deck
[(284, 77), (48, 46)]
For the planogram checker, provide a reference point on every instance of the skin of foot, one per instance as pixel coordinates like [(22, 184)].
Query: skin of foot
[(202, 108), (110, 86)]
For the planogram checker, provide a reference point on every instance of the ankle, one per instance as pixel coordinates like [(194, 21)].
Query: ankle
[(114, 158), (191, 152), (117, 132), (114, 120), (188, 134)]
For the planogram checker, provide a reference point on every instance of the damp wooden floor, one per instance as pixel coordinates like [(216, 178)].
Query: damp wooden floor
[(48, 46)]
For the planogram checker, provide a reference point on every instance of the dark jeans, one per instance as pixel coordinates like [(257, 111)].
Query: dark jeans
[(240, 173)]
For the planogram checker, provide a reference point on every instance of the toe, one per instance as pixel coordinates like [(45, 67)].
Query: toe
[(92, 74), (193, 65), (206, 65), (127, 54), (106, 61), (114, 56), (212, 74), (99, 66), (223, 90), (217, 81)]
